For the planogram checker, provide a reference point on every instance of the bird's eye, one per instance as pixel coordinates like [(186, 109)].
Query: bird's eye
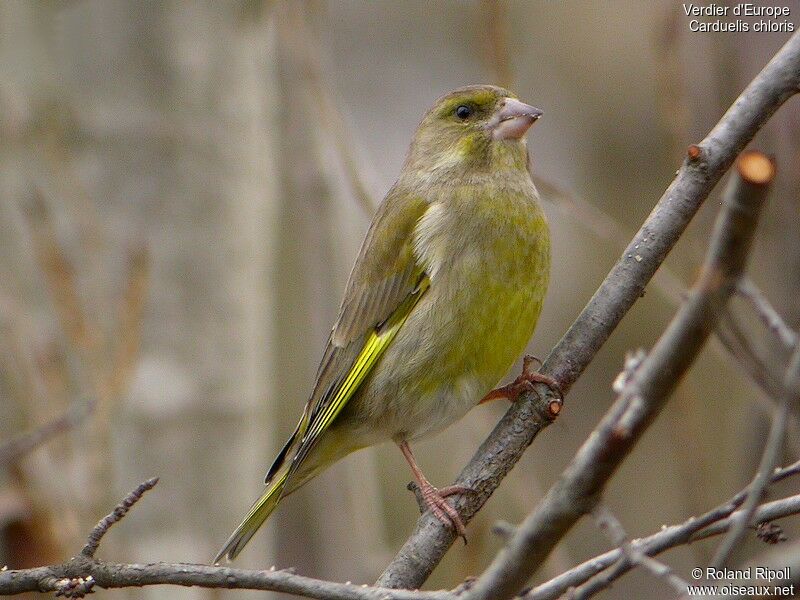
[(463, 112)]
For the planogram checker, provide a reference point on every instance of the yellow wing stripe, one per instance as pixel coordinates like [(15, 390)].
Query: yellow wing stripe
[(373, 349)]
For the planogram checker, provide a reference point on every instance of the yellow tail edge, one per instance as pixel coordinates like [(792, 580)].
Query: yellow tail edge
[(261, 509)]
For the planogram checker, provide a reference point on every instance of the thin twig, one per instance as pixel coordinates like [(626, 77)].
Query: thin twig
[(624, 284), (755, 364), (714, 522), (765, 514), (16, 448), (78, 576), (767, 312), (730, 336), (309, 59), (772, 449), (645, 393), (616, 532), (120, 510)]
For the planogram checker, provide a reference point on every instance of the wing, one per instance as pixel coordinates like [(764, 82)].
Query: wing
[(384, 286)]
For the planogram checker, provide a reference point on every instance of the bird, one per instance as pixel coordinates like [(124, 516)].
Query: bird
[(443, 297)]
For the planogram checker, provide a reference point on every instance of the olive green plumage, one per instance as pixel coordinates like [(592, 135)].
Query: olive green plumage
[(443, 297)]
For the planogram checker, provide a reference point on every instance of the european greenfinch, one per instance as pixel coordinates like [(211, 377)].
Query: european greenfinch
[(443, 297)]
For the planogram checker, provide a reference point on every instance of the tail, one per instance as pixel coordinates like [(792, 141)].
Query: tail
[(259, 512)]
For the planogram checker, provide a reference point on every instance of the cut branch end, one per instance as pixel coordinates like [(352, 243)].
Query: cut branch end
[(756, 168)]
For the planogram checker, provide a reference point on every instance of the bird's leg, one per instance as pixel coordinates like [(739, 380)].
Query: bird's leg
[(434, 498), (524, 383)]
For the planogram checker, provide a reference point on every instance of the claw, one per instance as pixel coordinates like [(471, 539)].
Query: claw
[(434, 499), (524, 383)]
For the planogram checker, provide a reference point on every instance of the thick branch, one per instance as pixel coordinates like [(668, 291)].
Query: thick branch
[(111, 575), (625, 283), (645, 393)]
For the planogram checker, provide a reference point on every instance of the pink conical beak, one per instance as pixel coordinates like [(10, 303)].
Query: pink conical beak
[(513, 119)]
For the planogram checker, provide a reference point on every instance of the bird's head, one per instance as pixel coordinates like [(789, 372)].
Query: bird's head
[(472, 129)]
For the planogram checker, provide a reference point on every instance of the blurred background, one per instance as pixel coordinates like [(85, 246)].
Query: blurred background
[(184, 186)]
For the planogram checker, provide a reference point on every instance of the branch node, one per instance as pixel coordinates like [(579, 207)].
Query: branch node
[(693, 152), (632, 361), (465, 585), (69, 587), (554, 407)]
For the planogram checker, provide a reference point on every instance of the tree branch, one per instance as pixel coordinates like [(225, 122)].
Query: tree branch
[(645, 393), (784, 562), (111, 575), (88, 572), (714, 522), (625, 283), (79, 575), (767, 313), (632, 554), (764, 514), (772, 449)]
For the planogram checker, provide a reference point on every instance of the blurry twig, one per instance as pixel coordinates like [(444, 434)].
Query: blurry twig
[(761, 372), (645, 392), (120, 510), (493, 14), (772, 447), (130, 320), (670, 79), (59, 275), (767, 313), (16, 448), (103, 372), (297, 36), (756, 366)]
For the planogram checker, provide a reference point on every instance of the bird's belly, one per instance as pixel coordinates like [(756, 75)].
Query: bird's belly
[(453, 349)]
